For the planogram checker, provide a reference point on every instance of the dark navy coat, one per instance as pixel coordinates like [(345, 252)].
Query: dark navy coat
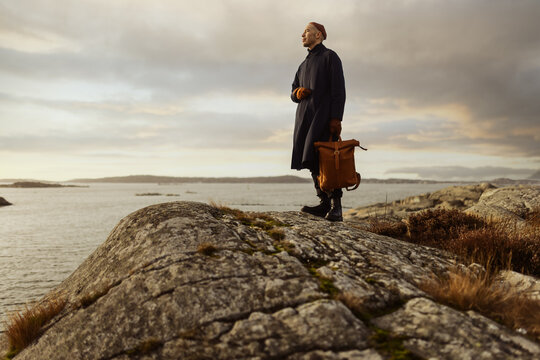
[(322, 73)]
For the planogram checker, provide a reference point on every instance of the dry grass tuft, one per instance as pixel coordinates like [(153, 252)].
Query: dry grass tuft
[(206, 248), (483, 293), (227, 210), (26, 325)]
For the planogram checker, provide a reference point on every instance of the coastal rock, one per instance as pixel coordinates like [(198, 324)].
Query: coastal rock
[(512, 202), (432, 328), (460, 197), (4, 202), (186, 280), (527, 285)]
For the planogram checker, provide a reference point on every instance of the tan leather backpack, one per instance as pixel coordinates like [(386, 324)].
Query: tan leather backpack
[(336, 164)]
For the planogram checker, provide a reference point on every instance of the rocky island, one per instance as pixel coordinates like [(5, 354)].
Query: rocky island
[(35, 184), (4, 202), (185, 280)]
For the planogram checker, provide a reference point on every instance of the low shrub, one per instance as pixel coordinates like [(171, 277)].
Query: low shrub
[(533, 218), (495, 244), (433, 227), (393, 229), (501, 249)]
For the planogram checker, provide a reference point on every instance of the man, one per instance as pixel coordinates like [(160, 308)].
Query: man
[(319, 90)]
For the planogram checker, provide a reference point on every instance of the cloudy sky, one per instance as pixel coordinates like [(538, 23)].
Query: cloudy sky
[(435, 89)]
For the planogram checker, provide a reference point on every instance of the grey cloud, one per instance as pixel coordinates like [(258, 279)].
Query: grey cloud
[(464, 173), (482, 54), (130, 124), (122, 126)]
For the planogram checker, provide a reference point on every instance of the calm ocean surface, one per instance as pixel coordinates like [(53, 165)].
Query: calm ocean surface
[(47, 233)]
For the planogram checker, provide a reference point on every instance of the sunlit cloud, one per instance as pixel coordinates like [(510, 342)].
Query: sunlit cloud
[(462, 172), (428, 82)]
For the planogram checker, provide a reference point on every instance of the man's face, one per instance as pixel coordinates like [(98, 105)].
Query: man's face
[(309, 36)]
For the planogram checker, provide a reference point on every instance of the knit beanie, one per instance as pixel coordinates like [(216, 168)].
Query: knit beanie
[(320, 28)]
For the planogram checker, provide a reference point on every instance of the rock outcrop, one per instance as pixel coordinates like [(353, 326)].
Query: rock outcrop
[(511, 202), (184, 280), (4, 202), (527, 285)]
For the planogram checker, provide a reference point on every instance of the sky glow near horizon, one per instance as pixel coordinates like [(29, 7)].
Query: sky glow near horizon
[(435, 89)]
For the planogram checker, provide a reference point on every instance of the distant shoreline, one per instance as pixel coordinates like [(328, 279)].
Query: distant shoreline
[(287, 179), (164, 180)]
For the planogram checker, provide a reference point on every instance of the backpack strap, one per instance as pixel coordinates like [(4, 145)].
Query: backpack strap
[(358, 179), (336, 154)]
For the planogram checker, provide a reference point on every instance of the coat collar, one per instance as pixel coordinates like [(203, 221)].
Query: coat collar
[(317, 49)]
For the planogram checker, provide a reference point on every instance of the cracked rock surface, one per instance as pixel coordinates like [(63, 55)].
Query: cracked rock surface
[(149, 292)]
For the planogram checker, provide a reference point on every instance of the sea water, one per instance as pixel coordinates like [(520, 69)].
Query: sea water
[(47, 232)]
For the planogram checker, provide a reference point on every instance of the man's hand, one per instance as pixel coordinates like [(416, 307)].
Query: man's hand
[(302, 93), (335, 127)]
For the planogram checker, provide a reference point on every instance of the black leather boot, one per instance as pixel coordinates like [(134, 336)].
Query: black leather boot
[(335, 213), (321, 209)]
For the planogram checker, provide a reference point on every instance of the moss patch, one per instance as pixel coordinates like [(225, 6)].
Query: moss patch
[(255, 219), (276, 234), (284, 246), (92, 297), (11, 354), (387, 344), (390, 345), (248, 251), (260, 221), (325, 284)]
